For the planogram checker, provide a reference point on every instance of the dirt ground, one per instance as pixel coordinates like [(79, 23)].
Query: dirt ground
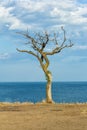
[(28, 116)]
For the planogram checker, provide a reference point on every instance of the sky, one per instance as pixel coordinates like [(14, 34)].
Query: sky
[(37, 16)]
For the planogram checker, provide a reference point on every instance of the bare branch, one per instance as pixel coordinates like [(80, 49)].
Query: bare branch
[(58, 49), (64, 39), (32, 41), (26, 51), (27, 36), (39, 41), (55, 39), (47, 37)]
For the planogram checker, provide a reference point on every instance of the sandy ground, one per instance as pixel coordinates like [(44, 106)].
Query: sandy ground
[(43, 116)]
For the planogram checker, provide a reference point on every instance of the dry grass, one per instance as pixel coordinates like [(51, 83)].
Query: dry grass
[(28, 116)]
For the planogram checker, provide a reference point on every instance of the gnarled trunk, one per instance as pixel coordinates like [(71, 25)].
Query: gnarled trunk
[(48, 87), (48, 75)]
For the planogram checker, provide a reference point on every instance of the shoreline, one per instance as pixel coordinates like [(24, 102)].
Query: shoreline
[(44, 103)]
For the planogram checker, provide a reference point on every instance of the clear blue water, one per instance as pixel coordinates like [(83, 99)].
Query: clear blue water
[(63, 92)]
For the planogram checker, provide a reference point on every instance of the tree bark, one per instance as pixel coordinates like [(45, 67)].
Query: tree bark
[(48, 87), (48, 78)]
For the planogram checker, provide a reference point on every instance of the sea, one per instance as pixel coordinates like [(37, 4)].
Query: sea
[(62, 92)]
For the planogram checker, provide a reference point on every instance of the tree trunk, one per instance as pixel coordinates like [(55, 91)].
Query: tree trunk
[(48, 87), (48, 78)]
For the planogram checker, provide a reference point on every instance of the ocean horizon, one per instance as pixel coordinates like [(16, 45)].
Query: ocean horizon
[(62, 92)]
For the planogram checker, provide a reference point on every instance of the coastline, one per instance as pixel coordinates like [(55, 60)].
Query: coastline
[(42, 116)]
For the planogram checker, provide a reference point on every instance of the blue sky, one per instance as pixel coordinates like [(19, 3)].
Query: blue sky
[(39, 15)]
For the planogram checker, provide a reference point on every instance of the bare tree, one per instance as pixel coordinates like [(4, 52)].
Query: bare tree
[(39, 48)]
